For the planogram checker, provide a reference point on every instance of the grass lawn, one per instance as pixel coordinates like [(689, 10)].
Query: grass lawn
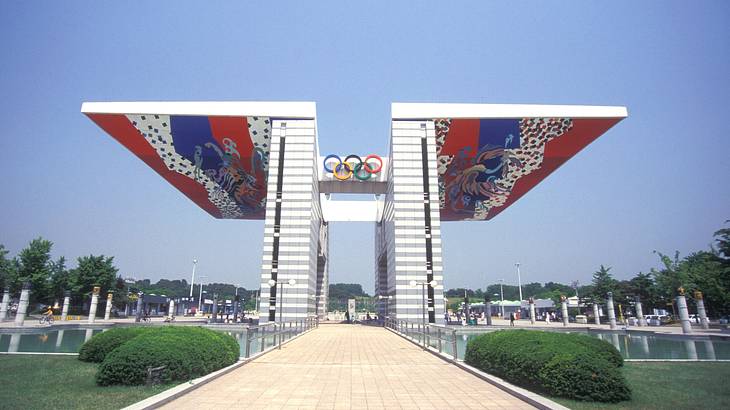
[(61, 382), (662, 385)]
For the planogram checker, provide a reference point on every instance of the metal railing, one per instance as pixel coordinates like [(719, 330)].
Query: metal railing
[(271, 335), (438, 337)]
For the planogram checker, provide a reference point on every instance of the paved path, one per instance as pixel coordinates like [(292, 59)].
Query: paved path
[(348, 366)]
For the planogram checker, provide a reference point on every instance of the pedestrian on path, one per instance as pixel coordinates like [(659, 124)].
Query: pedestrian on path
[(512, 319)]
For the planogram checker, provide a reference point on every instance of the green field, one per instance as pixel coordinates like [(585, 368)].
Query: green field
[(664, 385), (61, 382)]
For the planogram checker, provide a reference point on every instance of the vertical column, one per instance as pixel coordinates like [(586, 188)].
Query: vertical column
[(700, 300), (413, 195), (292, 225), (108, 309), (23, 304), (564, 307), (532, 310), (611, 313), (140, 307), (640, 312), (94, 303), (4, 304), (171, 308), (596, 314), (66, 304), (683, 312)]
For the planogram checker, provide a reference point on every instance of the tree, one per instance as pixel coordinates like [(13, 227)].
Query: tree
[(603, 282), (93, 271), (34, 266), (722, 237), (60, 278), (6, 266)]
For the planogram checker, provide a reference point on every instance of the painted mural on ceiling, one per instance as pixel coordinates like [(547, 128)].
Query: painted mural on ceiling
[(221, 163), (484, 165)]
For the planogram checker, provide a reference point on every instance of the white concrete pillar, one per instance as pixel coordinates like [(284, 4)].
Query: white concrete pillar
[(532, 310), (488, 313), (140, 307), (640, 312), (691, 349), (23, 304), (683, 313), (710, 349), (89, 333), (611, 313), (615, 341), (66, 304), (108, 310), (4, 304), (171, 308), (59, 339), (596, 314), (564, 309), (701, 312), (94, 303)]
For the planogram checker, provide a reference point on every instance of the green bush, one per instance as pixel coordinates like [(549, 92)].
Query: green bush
[(560, 364), (99, 346), (187, 352)]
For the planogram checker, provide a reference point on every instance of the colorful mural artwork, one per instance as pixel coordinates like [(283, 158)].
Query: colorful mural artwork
[(484, 165), (221, 163)]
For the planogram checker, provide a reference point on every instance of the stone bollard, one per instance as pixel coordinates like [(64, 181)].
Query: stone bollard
[(701, 312), (564, 309), (640, 312), (683, 312), (66, 304), (4, 304), (140, 307), (94, 304), (488, 313), (108, 310), (23, 304), (532, 310), (171, 308), (611, 313), (596, 314)]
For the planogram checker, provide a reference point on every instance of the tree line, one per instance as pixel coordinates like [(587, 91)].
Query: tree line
[(705, 271)]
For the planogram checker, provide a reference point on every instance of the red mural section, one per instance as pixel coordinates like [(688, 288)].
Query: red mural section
[(485, 165)]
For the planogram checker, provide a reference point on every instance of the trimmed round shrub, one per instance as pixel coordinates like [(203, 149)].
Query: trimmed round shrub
[(568, 365), (96, 349), (186, 352)]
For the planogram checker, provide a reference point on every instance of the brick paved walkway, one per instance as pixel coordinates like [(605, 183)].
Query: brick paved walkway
[(348, 366)]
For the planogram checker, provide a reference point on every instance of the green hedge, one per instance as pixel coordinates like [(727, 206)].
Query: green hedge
[(187, 352), (96, 349), (560, 364)]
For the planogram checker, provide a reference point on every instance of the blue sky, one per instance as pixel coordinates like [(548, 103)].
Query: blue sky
[(658, 180)]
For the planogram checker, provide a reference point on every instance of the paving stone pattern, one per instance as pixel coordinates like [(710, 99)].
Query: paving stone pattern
[(348, 367)]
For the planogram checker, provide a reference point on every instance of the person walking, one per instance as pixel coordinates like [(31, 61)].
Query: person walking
[(512, 319)]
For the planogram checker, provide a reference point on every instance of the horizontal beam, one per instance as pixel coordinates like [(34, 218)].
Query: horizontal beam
[(281, 109), (429, 111)]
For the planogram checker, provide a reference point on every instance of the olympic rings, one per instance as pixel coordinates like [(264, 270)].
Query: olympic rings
[(353, 165)]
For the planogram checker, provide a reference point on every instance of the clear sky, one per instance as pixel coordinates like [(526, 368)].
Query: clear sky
[(658, 180)]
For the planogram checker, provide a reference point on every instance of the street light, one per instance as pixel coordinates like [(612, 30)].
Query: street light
[(519, 280), (192, 281), (273, 283), (200, 298), (423, 285), (501, 297)]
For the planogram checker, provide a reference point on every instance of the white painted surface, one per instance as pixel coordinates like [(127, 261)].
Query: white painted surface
[(287, 109), (429, 111), (350, 211)]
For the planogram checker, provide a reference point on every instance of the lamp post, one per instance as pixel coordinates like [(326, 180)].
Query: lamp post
[(423, 285), (501, 297), (200, 296), (501, 308), (192, 280), (273, 283), (519, 280)]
